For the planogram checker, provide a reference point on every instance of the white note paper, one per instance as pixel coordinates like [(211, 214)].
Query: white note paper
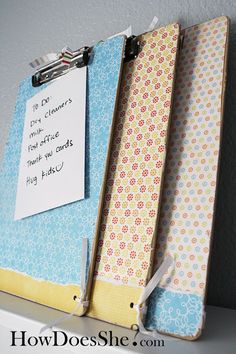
[(52, 164)]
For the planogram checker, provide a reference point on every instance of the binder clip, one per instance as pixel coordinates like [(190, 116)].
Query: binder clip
[(78, 59), (131, 48)]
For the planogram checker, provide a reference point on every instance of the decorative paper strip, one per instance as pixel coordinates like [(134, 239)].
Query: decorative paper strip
[(40, 255), (134, 183), (187, 210), (67, 55)]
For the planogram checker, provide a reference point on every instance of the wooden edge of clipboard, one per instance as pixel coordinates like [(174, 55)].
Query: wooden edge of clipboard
[(136, 292), (223, 89), (103, 190)]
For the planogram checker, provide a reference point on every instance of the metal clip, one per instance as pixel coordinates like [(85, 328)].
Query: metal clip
[(79, 59), (181, 42), (131, 48), (58, 67)]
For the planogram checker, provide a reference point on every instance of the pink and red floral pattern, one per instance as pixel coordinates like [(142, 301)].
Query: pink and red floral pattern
[(137, 161)]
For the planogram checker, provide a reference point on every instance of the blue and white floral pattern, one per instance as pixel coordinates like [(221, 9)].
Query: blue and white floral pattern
[(174, 312), (47, 246)]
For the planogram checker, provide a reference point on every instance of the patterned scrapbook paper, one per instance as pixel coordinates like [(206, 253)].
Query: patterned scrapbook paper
[(137, 161), (187, 209), (47, 246)]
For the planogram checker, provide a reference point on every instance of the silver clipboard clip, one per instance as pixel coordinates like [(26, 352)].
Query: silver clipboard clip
[(57, 68), (79, 59)]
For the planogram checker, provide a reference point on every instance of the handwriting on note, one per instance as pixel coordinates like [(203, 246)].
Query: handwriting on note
[(51, 170)]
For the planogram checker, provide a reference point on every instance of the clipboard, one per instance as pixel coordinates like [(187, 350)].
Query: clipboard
[(40, 255), (177, 305), (131, 207)]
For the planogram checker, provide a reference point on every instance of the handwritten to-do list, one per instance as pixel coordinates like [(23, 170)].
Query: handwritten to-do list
[(52, 164)]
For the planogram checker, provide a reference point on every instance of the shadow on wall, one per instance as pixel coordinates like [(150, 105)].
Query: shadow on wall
[(222, 277)]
